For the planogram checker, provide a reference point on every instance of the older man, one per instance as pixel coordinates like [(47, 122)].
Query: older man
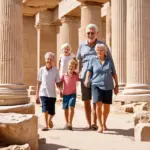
[(85, 52), (47, 78)]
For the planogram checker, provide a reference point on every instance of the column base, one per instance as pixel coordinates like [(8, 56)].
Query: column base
[(13, 95), (134, 93)]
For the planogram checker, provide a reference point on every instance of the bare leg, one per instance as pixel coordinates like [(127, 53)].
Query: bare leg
[(71, 115), (46, 119), (50, 121), (87, 108), (66, 114), (94, 118), (105, 115), (99, 116)]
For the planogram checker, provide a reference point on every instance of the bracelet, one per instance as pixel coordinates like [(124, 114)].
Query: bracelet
[(116, 85)]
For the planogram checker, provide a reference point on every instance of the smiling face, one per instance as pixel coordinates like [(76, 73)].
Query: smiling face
[(71, 68), (49, 61), (100, 51), (91, 35), (66, 51)]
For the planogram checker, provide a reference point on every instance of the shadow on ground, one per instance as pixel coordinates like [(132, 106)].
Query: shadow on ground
[(54, 147), (128, 132)]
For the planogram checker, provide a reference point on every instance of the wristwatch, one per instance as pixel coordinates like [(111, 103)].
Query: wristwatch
[(117, 85)]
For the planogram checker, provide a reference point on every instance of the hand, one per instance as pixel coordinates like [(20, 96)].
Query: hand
[(116, 90), (37, 100), (61, 94), (87, 83)]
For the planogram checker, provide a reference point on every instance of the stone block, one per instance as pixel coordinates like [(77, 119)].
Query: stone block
[(142, 117), (22, 109), (16, 147), (128, 108), (142, 132), (19, 129)]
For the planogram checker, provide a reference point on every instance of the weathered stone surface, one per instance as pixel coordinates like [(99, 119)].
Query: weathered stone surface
[(19, 129), (142, 132), (16, 147), (23, 109), (127, 108), (140, 106), (142, 117)]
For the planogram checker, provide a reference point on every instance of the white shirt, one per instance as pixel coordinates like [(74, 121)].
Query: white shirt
[(64, 63), (48, 79)]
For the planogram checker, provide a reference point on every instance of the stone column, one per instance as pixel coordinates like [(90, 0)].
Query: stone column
[(12, 89), (46, 36), (119, 39), (69, 31), (90, 13), (108, 26), (138, 51)]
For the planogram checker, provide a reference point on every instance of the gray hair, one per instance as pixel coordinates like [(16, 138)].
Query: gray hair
[(49, 54), (89, 26), (66, 45), (103, 46)]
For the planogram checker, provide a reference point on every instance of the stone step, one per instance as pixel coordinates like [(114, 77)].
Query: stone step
[(19, 129)]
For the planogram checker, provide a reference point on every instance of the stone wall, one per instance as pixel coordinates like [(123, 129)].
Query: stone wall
[(30, 51)]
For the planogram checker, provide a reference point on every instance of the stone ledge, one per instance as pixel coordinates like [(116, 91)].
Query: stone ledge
[(19, 129), (142, 132), (22, 109)]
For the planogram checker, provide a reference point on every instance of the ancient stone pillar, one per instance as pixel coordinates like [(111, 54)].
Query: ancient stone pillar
[(138, 51), (90, 13), (69, 31), (46, 36), (118, 9), (108, 26), (12, 89)]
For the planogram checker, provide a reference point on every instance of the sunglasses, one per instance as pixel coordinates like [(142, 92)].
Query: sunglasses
[(90, 33)]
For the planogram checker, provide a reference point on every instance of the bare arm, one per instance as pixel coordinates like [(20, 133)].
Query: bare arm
[(59, 64), (37, 92), (87, 79), (116, 89)]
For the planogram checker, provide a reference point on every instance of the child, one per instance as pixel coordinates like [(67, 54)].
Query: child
[(64, 58), (69, 81), (47, 78)]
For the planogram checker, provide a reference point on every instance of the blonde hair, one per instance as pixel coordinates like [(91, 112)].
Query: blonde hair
[(66, 45), (73, 62), (90, 26), (103, 46)]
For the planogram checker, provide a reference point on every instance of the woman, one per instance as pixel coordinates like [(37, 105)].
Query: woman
[(101, 72)]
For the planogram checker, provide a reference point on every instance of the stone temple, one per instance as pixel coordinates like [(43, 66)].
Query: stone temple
[(30, 28)]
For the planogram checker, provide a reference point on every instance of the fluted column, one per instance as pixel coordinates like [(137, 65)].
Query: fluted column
[(119, 39), (138, 51), (90, 13), (12, 90), (69, 31), (46, 36), (108, 26)]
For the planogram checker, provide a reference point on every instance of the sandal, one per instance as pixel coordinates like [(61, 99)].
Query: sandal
[(50, 124), (65, 127), (70, 127), (45, 129), (94, 127)]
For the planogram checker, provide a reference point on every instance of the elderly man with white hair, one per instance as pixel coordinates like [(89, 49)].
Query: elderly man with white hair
[(48, 76), (85, 52)]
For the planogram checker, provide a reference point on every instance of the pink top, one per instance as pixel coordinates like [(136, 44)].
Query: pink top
[(69, 83)]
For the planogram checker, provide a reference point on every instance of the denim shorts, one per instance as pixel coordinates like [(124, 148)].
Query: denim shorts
[(48, 104), (69, 101), (99, 95)]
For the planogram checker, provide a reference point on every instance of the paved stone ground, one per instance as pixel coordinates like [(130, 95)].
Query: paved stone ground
[(119, 137)]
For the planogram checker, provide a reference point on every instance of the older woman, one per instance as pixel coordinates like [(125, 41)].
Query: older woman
[(47, 78), (101, 72)]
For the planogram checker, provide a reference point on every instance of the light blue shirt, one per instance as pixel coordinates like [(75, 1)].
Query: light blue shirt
[(85, 53), (102, 74)]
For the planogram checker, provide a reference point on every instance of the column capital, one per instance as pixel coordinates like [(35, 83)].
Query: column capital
[(69, 19), (41, 25), (87, 3)]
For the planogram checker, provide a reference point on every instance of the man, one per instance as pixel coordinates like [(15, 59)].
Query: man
[(85, 52)]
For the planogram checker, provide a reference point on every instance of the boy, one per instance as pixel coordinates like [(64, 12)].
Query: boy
[(69, 81)]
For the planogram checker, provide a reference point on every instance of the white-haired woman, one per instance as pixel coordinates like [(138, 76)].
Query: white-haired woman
[(85, 52), (48, 76), (65, 57), (101, 72)]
